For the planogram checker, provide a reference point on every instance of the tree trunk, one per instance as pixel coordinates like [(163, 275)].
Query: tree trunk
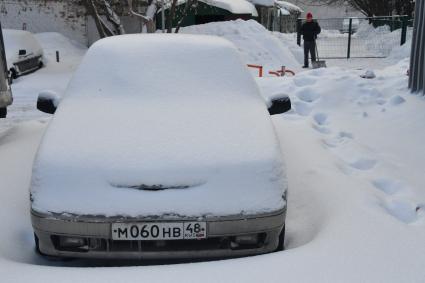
[(91, 7), (170, 18)]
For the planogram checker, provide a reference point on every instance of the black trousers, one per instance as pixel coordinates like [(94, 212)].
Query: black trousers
[(309, 47)]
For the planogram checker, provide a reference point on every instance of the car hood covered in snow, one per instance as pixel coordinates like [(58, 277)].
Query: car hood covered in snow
[(153, 125)]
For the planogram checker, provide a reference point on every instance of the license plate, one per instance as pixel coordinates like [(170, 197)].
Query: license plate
[(159, 231)]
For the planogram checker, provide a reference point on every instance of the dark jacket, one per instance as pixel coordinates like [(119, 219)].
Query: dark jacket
[(310, 30)]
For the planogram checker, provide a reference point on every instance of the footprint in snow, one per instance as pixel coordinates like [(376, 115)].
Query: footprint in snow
[(364, 164), (304, 81), (388, 186), (317, 72), (322, 130), (405, 211), (397, 100), (308, 94), (341, 138), (345, 135), (330, 143), (302, 108), (321, 119), (380, 101)]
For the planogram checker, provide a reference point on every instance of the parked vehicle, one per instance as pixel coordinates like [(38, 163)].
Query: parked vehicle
[(355, 23), (6, 98), (24, 53), (158, 153)]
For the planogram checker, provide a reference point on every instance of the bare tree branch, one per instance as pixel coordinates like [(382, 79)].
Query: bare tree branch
[(113, 17), (91, 7)]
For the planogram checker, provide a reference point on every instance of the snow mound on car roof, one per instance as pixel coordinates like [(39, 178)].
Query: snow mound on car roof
[(177, 114)]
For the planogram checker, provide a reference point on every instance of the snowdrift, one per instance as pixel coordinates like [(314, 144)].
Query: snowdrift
[(256, 44)]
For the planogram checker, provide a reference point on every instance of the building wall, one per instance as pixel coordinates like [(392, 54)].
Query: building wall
[(417, 60), (66, 17), (272, 20)]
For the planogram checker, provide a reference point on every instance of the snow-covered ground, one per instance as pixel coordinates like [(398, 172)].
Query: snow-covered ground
[(353, 149)]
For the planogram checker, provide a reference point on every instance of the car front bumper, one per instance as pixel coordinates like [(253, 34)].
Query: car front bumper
[(28, 65), (220, 242)]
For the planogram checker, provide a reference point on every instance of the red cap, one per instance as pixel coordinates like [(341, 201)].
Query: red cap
[(309, 15)]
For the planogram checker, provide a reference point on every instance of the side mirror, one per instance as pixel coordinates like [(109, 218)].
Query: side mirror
[(47, 102), (22, 52), (280, 105)]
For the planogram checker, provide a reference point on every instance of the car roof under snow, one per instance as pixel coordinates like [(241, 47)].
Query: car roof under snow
[(160, 124)]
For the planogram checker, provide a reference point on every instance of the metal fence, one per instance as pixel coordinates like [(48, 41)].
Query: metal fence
[(343, 38)]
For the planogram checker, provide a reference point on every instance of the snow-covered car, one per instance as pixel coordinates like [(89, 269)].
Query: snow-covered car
[(6, 98), (23, 52), (161, 147), (355, 23)]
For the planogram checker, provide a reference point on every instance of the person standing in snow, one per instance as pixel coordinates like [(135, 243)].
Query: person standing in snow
[(309, 30)]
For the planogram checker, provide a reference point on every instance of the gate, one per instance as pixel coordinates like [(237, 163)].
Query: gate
[(344, 38)]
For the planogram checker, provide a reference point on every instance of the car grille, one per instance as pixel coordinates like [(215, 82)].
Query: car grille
[(107, 245), (28, 65)]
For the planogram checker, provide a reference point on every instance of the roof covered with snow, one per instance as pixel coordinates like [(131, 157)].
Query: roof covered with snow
[(188, 117), (286, 8), (233, 6), (267, 3)]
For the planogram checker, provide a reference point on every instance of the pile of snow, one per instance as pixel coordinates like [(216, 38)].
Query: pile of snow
[(380, 38), (15, 40), (70, 51), (400, 52), (369, 74), (203, 128), (256, 44)]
